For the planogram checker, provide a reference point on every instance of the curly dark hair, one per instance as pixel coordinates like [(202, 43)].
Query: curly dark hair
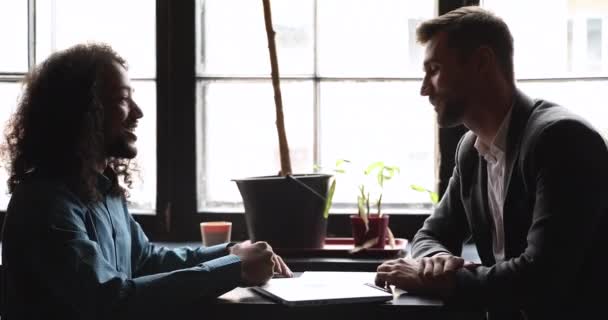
[(58, 127)]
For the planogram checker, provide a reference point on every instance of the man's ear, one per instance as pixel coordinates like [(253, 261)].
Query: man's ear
[(485, 59)]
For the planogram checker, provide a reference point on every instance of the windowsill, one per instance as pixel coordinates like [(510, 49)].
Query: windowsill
[(406, 211), (469, 251), (142, 212)]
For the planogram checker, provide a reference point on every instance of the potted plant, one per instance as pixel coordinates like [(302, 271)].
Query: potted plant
[(370, 229), (287, 210)]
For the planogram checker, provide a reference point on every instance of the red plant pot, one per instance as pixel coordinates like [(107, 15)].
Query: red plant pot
[(377, 228)]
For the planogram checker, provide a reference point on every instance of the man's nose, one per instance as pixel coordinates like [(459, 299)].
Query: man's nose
[(425, 89), (136, 110)]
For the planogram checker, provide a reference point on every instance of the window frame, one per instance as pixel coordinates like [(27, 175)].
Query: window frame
[(177, 217)]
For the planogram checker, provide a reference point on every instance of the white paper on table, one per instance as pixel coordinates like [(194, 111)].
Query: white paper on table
[(339, 276)]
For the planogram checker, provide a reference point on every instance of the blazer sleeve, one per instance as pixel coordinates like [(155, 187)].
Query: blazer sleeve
[(566, 169), (446, 228)]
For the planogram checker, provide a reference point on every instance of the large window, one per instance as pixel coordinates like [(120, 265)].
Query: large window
[(350, 76), (39, 28), (561, 54), (350, 71)]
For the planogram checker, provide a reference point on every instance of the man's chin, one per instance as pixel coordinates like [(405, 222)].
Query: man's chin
[(450, 117), (124, 152), (445, 122)]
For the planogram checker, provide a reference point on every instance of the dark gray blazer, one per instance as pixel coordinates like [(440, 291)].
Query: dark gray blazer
[(555, 217)]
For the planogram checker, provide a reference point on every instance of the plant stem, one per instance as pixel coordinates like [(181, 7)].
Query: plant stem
[(278, 101)]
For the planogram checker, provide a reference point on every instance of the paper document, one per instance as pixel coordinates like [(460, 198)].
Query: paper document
[(325, 288)]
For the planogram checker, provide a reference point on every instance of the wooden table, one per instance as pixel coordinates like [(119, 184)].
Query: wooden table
[(242, 303)]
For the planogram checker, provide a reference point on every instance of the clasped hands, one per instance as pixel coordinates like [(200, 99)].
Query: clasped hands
[(429, 275), (258, 262)]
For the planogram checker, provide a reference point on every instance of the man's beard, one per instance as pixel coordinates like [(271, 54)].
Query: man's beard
[(122, 149), (451, 115)]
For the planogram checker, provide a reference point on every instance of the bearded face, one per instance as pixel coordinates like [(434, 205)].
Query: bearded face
[(121, 114)]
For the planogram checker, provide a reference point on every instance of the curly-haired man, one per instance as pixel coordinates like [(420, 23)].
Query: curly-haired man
[(71, 250)]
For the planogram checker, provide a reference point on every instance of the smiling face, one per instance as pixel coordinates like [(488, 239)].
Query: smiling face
[(121, 114), (447, 82)]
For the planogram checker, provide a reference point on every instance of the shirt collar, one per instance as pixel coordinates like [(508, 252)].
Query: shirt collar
[(496, 150), (104, 184)]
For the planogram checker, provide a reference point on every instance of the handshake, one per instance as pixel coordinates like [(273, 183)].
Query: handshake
[(259, 262)]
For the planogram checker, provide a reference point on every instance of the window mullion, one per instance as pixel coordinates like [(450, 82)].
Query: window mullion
[(316, 89), (31, 34)]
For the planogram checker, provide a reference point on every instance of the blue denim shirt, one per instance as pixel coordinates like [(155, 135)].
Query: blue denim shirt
[(69, 260)]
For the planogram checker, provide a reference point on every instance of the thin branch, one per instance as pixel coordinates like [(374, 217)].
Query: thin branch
[(278, 101)]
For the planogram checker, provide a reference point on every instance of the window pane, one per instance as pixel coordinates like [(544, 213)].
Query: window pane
[(143, 194), (232, 37), (586, 98), (9, 93), (240, 138), (573, 32), (379, 121), (371, 37), (13, 23), (128, 26)]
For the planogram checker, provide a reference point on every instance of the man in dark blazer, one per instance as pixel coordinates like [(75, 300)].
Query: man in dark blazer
[(530, 186)]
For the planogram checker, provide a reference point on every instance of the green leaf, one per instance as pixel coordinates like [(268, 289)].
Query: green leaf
[(366, 245), (434, 197), (374, 166), (380, 179), (341, 162), (330, 197), (361, 206), (391, 237), (417, 188)]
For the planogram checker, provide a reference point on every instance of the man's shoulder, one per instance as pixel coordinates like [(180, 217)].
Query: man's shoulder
[(44, 192), (465, 151), (549, 117), (547, 113)]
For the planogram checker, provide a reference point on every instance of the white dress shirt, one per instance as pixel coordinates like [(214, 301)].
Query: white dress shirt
[(494, 154)]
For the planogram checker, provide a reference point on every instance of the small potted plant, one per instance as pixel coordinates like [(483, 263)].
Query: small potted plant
[(370, 229)]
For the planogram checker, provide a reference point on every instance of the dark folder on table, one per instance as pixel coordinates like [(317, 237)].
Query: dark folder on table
[(318, 288)]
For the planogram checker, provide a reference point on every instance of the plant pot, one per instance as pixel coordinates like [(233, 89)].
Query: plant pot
[(377, 228), (286, 212)]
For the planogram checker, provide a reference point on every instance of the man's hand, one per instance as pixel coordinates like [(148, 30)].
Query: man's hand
[(402, 273), (259, 262), (408, 274), (439, 265)]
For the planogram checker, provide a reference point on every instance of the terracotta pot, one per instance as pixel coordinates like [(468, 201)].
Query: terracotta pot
[(377, 228)]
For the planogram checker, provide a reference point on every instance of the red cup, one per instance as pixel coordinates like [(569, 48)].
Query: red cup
[(215, 232)]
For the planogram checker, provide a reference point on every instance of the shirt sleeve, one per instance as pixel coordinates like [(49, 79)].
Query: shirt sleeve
[(75, 267), (148, 258)]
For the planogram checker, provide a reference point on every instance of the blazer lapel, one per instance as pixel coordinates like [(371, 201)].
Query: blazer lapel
[(483, 225), (522, 107)]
